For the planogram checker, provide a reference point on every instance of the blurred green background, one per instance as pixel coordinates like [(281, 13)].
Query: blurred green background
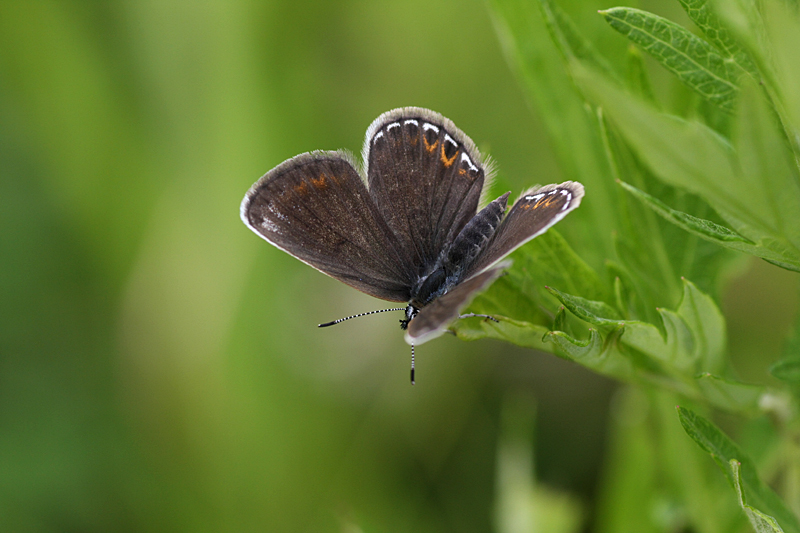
[(160, 365)]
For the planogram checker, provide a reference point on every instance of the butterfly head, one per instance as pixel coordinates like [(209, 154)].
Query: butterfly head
[(411, 312)]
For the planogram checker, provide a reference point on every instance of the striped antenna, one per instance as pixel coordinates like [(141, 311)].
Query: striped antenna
[(412, 364), (325, 325)]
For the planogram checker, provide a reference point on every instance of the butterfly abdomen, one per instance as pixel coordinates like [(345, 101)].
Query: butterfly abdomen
[(475, 236)]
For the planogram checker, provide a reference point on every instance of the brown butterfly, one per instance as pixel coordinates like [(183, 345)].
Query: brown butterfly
[(407, 228)]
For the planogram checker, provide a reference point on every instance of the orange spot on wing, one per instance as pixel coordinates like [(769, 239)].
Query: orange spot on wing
[(545, 201), (430, 147), (321, 183), (448, 162), (301, 189)]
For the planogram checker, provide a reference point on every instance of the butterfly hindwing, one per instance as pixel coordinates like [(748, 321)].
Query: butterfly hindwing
[(317, 208), (433, 319), (533, 213)]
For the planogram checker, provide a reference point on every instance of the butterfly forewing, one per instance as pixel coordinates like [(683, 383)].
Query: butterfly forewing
[(534, 212), (426, 178), (316, 207)]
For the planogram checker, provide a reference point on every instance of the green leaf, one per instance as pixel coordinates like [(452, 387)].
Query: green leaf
[(761, 522), (787, 370), (688, 340), (730, 395), (547, 260), (788, 367), (718, 35), (656, 479), (570, 43), (694, 336), (591, 311), (707, 324), (520, 300), (598, 354), (696, 63), (723, 450), (560, 321), (700, 227), (708, 230), (538, 64), (640, 243), (767, 166), (742, 18), (638, 79), (516, 332), (782, 31), (689, 155), (770, 32)]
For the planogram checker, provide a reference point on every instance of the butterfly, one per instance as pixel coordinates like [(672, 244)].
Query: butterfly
[(407, 228)]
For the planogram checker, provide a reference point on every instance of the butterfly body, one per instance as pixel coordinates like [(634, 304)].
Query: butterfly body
[(408, 228)]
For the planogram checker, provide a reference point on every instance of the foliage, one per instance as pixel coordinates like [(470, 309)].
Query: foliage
[(161, 369), (692, 189)]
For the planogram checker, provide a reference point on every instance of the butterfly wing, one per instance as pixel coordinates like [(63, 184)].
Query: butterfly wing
[(433, 319), (425, 176), (534, 212), (316, 207)]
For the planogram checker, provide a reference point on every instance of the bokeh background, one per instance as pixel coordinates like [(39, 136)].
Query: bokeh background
[(160, 365)]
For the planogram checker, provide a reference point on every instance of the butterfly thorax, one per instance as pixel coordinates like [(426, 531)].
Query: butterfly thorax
[(427, 289), (453, 264)]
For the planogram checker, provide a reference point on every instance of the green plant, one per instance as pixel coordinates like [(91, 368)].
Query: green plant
[(676, 194)]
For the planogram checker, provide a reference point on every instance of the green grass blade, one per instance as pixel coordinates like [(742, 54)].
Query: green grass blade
[(696, 62)]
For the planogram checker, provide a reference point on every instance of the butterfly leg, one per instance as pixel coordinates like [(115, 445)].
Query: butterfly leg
[(472, 315)]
